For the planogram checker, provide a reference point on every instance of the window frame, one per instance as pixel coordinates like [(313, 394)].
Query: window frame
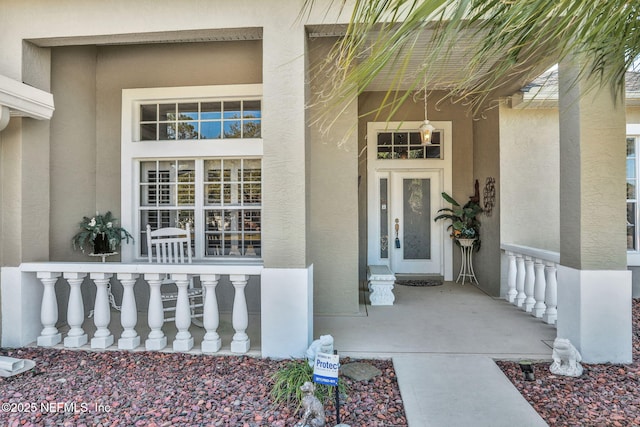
[(633, 255), (133, 150)]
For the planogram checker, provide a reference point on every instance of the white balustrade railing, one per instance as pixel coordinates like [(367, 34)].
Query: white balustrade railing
[(531, 280), (101, 275)]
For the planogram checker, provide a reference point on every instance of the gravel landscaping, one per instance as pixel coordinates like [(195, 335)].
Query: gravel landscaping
[(114, 388), (605, 395)]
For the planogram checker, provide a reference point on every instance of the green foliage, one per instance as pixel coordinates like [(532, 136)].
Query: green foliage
[(106, 225), (287, 382), (512, 40), (464, 219)]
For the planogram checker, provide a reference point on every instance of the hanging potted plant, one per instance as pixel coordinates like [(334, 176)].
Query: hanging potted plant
[(100, 233), (465, 226)]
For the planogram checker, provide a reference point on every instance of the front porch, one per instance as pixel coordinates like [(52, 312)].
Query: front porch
[(447, 319)]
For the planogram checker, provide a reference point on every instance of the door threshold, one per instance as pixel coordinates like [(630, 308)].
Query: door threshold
[(415, 276)]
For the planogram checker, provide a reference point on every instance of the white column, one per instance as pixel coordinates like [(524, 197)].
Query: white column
[(101, 311), (286, 318), (599, 325), (511, 278), (529, 281), (240, 316), (184, 340), (211, 316), (551, 295), (129, 339), (75, 311), (156, 340), (594, 284), (540, 286), (520, 275), (49, 310)]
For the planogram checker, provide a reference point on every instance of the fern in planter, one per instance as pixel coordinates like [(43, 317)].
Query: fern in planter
[(464, 219), (99, 227)]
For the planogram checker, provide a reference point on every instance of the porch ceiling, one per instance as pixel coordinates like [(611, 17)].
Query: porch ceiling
[(189, 36), (452, 66)]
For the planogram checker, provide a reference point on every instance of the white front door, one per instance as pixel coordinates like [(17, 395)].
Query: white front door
[(404, 185), (416, 241)]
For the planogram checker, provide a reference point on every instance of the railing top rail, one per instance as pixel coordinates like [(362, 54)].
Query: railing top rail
[(532, 252), (141, 268)]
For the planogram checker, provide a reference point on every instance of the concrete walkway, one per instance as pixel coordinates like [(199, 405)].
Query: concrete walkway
[(443, 341)]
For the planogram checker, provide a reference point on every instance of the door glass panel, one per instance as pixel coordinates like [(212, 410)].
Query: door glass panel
[(384, 221), (416, 219)]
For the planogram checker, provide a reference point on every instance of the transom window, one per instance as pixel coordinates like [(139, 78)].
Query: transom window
[(406, 145), (200, 120)]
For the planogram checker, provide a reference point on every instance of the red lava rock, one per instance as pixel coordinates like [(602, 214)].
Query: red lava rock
[(605, 395), (165, 389)]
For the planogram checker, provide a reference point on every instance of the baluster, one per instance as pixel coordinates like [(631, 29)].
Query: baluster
[(49, 310), (511, 278), (184, 340), (521, 296), (129, 339), (211, 315), (156, 340), (529, 281), (75, 311), (101, 311), (539, 289), (551, 295), (240, 316)]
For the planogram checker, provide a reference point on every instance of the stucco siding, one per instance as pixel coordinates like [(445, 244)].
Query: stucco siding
[(333, 202), (87, 86), (486, 163), (529, 170)]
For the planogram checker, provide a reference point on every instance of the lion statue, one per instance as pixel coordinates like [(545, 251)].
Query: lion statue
[(566, 359), (322, 345)]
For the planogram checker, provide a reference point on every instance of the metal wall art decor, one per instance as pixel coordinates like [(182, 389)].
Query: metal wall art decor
[(489, 194)]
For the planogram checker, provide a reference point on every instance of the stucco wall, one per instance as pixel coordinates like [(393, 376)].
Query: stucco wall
[(73, 147), (333, 201), (529, 170), (486, 163), (87, 83), (438, 109)]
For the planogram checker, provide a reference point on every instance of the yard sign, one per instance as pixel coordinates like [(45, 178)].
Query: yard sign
[(325, 369)]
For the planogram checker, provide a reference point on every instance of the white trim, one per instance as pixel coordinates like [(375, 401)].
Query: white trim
[(633, 257), (132, 150), (25, 100), (380, 168)]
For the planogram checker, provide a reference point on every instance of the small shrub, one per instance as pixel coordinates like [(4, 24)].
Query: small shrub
[(287, 382)]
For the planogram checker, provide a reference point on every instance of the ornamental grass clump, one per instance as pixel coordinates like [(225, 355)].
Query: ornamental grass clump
[(287, 382), (100, 226)]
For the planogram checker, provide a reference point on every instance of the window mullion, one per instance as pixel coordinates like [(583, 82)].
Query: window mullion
[(199, 214)]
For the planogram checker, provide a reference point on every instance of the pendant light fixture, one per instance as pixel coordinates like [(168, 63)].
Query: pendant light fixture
[(425, 129)]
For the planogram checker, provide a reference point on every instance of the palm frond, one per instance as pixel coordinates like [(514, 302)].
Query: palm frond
[(521, 33)]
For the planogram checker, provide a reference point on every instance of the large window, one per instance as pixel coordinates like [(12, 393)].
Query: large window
[(220, 198), (193, 155)]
